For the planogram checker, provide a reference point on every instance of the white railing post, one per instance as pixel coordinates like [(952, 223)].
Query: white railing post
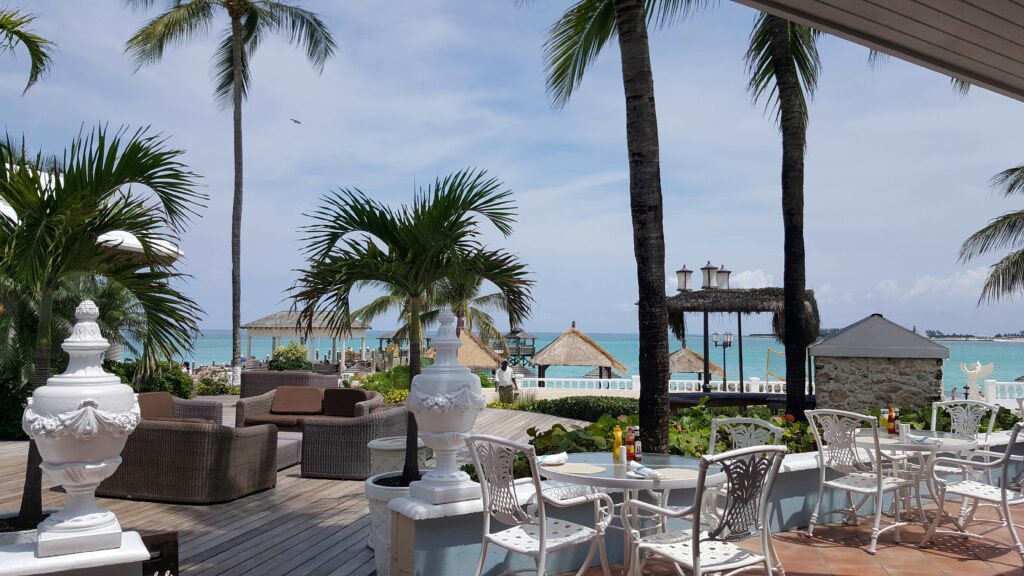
[(635, 382), (990, 391)]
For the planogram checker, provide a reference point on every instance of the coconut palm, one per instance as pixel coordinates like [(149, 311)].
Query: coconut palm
[(14, 32), (783, 64), (68, 217), (1005, 277), (357, 242), (572, 45), (250, 23)]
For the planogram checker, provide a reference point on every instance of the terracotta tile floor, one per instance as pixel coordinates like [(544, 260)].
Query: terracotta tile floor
[(842, 550)]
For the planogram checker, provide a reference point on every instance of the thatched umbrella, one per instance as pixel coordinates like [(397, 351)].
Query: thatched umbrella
[(741, 301), (686, 361), (574, 348), (473, 353)]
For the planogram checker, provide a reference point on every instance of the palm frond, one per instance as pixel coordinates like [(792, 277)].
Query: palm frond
[(572, 46), (304, 28), (801, 49), (1009, 181), (1005, 278), (14, 31), (182, 22), (1004, 232)]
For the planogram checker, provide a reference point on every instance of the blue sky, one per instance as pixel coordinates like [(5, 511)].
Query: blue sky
[(897, 164)]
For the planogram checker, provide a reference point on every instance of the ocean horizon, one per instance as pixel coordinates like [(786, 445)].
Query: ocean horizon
[(1008, 357)]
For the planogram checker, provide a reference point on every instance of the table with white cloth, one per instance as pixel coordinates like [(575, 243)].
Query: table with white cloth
[(597, 470), (923, 452)]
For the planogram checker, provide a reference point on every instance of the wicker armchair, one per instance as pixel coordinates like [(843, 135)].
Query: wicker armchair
[(163, 406), (336, 447), (194, 463), (256, 382), (260, 406)]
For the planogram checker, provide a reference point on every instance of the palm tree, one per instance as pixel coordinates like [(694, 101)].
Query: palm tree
[(251, 22), (572, 45), (14, 31), (783, 64), (103, 185), (1005, 277), (356, 242)]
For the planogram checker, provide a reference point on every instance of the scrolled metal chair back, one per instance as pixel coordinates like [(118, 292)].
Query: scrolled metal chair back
[(1013, 482), (750, 474), (744, 432), (835, 432), (965, 416), (494, 459)]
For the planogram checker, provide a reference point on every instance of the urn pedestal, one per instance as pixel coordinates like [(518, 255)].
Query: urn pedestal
[(446, 399), (80, 421)]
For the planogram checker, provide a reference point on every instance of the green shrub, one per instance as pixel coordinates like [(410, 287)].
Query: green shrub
[(167, 377), (393, 379), (485, 381), (214, 384), (398, 396), (292, 356), (589, 408)]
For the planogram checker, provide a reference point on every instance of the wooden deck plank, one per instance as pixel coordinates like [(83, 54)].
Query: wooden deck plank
[(302, 526)]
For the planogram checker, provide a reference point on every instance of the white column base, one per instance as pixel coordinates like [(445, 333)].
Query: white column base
[(64, 541), (124, 560), (435, 494)]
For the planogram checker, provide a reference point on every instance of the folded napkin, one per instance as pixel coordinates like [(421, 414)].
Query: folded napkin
[(924, 439), (553, 459), (641, 470)]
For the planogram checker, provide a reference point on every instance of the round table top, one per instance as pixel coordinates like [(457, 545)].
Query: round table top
[(597, 469), (394, 443), (948, 441)]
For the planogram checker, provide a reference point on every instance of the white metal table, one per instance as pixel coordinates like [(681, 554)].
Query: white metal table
[(599, 471)]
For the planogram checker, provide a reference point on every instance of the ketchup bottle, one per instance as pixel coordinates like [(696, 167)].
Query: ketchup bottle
[(630, 447)]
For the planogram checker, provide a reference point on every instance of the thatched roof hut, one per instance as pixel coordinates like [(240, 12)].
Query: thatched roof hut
[(473, 353), (686, 361), (743, 301), (574, 348), (598, 373), (285, 324)]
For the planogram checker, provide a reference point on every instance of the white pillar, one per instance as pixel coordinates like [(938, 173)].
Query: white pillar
[(362, 347), (990, 391), (248, 345), (334, 349)]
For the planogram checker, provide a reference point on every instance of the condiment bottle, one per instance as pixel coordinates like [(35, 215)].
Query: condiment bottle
[(638, 453), (892, 420), (616, 443), (630, 440)]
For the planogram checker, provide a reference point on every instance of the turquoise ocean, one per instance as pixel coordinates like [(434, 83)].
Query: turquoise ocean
[(1008, 357)]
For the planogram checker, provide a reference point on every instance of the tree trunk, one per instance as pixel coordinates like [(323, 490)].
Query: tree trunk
[(411, 470), (646, 210), (31, 512), (236, 208), (794, 141)]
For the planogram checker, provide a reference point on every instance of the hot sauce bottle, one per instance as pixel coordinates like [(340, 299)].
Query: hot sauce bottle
[(630, 444)]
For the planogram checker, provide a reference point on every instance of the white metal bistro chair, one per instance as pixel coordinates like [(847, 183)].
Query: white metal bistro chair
[(530, 531), (710, 545), (1010, 491), (860, 469), (966, 417)]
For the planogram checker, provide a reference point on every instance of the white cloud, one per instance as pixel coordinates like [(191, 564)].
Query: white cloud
[(751, 279)]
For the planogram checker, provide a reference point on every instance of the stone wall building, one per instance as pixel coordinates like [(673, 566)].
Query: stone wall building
[(874, 363)]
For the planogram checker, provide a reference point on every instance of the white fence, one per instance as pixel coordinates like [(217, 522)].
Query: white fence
[(1003, 393), (595, 384)]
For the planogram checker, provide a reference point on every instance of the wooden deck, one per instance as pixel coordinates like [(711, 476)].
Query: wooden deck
[(301, 527)]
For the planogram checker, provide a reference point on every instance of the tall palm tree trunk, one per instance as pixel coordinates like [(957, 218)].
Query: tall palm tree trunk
[(794, 142), (646, 209), (236, 208), (411, 469), (31, 511)]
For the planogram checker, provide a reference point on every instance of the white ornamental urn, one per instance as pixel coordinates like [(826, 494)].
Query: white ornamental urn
[(80, 421), (445, 398)]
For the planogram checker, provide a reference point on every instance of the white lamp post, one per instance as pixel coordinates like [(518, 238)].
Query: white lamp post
[(683, 278), (722, 278), (710, 275)]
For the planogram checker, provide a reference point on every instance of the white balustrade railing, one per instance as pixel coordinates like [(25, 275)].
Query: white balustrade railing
[(752, 385), (1003, 393)]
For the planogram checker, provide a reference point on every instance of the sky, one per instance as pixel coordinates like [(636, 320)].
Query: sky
[(897, 163)]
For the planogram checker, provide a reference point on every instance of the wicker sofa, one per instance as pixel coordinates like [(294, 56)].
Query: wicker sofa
[(289, 407), (193, 458), (256, 382), (336, 447)]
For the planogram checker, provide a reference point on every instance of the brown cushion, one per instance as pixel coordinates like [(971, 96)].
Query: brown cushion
[(342, 401), (297, 400), (154, 405), (280, 420)]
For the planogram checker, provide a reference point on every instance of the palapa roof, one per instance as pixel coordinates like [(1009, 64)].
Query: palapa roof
[(596, 373), (741, 300), (473, 353), (288, 321), (574, 348), (876, 337), (686, 361), (519, 333)]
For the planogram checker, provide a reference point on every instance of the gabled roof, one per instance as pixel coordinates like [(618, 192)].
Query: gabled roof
[(289, 320), (876, 337), (574, 348)]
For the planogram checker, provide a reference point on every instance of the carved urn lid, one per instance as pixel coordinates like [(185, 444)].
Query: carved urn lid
[(85, 348)]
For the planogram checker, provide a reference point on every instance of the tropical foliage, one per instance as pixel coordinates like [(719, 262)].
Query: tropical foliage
[(292, 356), (357, 242), (167, 376), (14, 32), (251, 22), (70, 219), (1006, 276)]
